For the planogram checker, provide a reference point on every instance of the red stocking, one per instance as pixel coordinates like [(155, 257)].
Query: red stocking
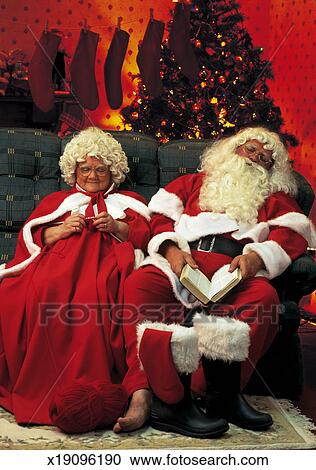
[(113, 66), (84, 85), (179, 41), (40, 71), (148, 58)]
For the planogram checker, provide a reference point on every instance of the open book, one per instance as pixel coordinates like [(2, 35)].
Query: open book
[(207, 290)]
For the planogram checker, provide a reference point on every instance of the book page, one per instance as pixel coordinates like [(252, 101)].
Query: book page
[(196, 282), (222, 279)]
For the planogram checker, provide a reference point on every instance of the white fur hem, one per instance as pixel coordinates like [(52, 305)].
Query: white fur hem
[(184, 344), (167, 204), (157, 240), (180, 292), (299, 223), (276, 260), (222, 338)]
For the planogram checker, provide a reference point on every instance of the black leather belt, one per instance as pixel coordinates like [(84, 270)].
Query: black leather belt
[(217, 244)]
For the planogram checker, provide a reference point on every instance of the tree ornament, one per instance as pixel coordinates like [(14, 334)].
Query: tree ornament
[(196, 107)]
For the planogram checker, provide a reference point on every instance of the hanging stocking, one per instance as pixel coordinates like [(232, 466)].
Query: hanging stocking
[(179, 41), (84, 85), (148, 58), (113, 66), (40, 71)]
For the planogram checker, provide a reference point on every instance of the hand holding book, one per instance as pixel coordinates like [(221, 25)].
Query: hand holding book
[(249, 264), (210, 291)]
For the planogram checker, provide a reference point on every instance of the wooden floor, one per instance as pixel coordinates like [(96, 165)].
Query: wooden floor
[(307, 403)]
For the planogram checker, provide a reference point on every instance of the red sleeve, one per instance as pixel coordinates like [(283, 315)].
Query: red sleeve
[(170, 202), (139, 229), (290, 240)]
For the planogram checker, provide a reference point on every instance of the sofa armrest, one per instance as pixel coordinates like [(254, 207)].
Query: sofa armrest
[(298, 280)]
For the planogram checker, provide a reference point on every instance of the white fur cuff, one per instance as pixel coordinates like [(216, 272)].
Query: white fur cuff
[(276, 260), (157, 240), (221, 338), (184, 344)]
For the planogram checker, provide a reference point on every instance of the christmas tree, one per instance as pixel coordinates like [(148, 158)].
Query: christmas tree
[(229, 91)]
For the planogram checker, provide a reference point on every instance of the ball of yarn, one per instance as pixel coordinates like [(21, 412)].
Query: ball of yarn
[(83, 407)]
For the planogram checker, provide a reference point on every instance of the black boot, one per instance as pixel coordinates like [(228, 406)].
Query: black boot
[(223, 398), (185, 417)]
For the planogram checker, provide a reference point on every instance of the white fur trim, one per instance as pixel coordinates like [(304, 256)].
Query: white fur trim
[(276, 260), (116, 205), (131, 203), (180, 292), (222, 338), (194, 227), (168, 204), (157, 240), (256, 232), (72, 201), (184, 344), (139, 257), (299, 223)]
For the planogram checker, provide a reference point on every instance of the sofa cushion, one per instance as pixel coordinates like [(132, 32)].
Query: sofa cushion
[(28, 171), (19, 197), (179, 157), (29, 153), (7, 245)]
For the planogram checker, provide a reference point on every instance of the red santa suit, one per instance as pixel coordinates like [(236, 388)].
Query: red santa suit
[(280, 235), (60, 319)]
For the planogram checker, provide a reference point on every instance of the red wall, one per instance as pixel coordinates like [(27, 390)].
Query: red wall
[(283, 28)]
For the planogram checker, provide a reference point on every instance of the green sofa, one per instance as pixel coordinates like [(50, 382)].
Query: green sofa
[(29, 170)]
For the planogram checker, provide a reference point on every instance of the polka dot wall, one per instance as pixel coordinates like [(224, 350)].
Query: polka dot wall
[(285, 28)]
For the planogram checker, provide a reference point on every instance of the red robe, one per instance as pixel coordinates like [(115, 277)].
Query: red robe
[(60, 318)]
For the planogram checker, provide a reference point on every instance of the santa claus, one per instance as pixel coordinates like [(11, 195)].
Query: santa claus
[(237, 211)]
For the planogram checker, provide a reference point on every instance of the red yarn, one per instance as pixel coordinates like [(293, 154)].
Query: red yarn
[(84, 407)]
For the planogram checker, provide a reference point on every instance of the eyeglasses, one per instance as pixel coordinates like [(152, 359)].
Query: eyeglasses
[(261, 157), (99, 170)]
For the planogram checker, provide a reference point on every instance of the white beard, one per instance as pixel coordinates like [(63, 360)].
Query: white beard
[(234, 186)]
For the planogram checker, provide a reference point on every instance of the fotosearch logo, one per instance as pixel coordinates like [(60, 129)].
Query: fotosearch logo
[(126, 314)]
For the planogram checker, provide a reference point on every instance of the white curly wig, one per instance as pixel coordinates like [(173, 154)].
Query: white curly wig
[(234, 185), (94, 142)]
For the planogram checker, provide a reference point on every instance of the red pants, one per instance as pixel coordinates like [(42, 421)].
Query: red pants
[(149, 295)]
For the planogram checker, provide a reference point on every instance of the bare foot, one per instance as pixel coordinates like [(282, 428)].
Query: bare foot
[(137, 413)]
